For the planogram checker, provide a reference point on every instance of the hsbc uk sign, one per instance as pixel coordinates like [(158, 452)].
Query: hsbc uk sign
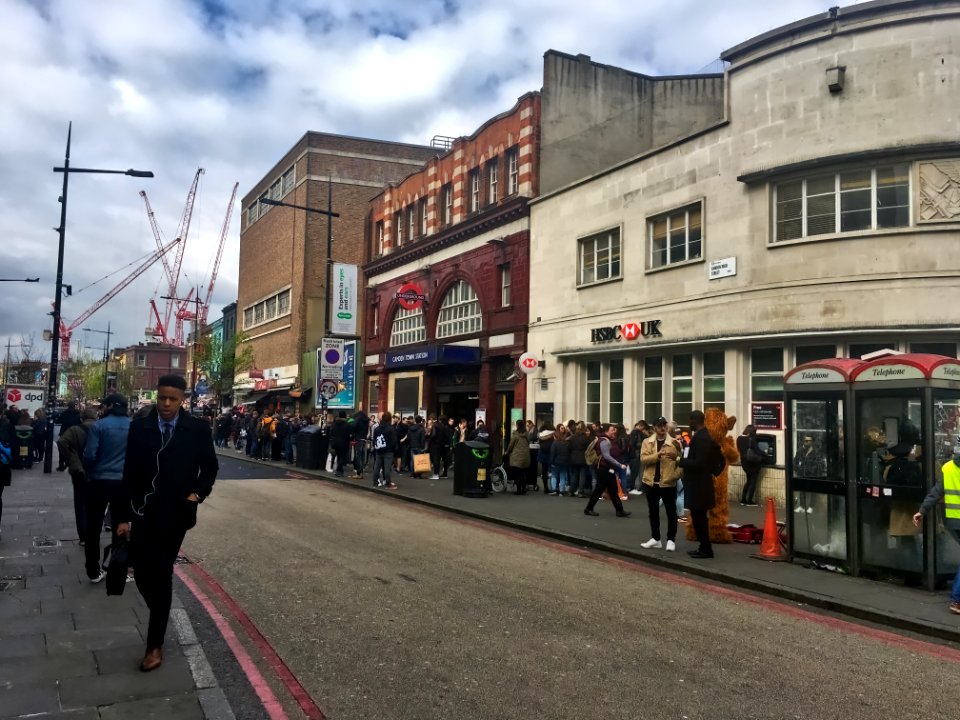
[(626, 331)]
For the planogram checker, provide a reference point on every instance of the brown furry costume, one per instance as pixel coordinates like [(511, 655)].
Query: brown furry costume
[(719, 425)]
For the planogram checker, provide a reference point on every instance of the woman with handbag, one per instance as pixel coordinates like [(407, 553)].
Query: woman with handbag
[(518, 453), (751, 460)]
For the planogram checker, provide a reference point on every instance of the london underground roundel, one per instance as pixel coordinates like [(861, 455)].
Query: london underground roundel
[(410, 297), (528, 363)]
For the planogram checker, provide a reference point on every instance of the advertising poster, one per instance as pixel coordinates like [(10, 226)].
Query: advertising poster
[(343, 316), (345, 399)]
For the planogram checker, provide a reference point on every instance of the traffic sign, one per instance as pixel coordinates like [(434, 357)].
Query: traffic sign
[(329, 389), (331, 359), (528, 363)]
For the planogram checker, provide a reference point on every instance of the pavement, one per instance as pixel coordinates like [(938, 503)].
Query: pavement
[(67, 650), (561, 518)]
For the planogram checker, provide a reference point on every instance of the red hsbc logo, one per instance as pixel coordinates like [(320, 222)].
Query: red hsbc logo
[(630, 331), (529, 362)]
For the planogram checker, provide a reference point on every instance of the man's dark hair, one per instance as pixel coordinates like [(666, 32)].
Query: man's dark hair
[(696, 419), (174, 381)]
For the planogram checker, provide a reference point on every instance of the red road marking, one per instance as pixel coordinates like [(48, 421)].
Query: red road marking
[(270, 703), (286, 676)]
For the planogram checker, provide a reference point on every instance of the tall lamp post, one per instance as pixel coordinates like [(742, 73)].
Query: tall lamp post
[(106, 354), (53, 375), (329, 263)]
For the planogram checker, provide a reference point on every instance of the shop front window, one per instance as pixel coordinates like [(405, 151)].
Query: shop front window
[(810, 353), (653, 388), (714, 380), (766, 374), (593, 391), (682, 396), (615, 414)]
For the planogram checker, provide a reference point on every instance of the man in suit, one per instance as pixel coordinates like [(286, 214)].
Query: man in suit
[(170, 468), (700, 463)]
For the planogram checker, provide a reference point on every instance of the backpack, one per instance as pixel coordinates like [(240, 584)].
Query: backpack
[(266, 429), (281, 429), (591, 455)]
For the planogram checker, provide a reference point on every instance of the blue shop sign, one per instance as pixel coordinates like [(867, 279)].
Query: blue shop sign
[(421, 355)]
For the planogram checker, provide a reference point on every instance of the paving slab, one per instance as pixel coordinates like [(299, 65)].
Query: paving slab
[(185, 706), (125, 686), (37, 624), (104, 617), (25, 646), (28, 698), (39, 667), (93, 639)]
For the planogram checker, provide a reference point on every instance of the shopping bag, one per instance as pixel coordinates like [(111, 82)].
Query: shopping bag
[(421, 463)]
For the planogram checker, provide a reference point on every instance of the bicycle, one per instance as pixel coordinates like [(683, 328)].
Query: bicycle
[(500, 481)]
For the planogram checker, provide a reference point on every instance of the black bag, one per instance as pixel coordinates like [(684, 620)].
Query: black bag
[(117, 567), (752, 456)]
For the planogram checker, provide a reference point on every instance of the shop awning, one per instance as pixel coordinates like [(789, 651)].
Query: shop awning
[(255, 397)]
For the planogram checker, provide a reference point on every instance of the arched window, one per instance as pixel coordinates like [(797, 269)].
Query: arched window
[(408, 327), (460, 312)]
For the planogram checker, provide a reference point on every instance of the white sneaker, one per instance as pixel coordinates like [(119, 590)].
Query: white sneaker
[(434, 477), (636, 492), (671, 546), (100, 576), (651, 543)]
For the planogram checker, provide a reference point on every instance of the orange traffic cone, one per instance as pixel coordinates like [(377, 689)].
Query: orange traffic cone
[(770, 547)]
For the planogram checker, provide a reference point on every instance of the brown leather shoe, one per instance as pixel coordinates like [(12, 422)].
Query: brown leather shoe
[(152, 660)]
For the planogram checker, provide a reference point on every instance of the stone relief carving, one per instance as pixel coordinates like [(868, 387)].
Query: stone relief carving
[(939, 191)]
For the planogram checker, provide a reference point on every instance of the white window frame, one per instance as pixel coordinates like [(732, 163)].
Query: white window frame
[(447, 205), (289, 179), (267, 309), (491, 182), (141, 359), (422, 216), (505, 280), (408, 327), (596, 384), (474, 177), (837, 205), (378, 232), (670, 218), (398, 227), (513, 170), (175, 361), (591, 247), (460, 312), (412, 221)]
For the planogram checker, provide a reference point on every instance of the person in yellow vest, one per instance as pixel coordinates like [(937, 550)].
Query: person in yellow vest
[(947, 488)]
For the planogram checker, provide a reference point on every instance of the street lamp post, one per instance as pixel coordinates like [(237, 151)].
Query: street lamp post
[(106, 354), (329, 263), (53, 379)]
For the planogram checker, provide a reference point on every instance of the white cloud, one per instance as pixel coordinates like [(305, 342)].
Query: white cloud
[(170, 85)]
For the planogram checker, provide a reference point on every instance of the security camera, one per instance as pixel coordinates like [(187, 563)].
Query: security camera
[(512, 377)]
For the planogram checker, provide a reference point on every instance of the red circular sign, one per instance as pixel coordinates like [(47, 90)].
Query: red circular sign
[(630, 331), (410, 297)]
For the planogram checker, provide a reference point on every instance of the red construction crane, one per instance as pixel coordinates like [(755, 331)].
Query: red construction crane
[(66, 331), (185, 313), (172, 271)]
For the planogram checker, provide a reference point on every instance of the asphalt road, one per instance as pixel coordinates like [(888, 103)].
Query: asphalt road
[(386, 610)]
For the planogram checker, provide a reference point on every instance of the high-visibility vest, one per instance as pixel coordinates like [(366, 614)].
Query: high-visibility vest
[(951, 493)]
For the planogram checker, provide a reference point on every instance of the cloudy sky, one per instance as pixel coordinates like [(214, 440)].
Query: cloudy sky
[(230, 85)]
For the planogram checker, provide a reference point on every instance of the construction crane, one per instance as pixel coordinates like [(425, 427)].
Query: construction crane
[(172, 271), (66, 331), (204, 309)]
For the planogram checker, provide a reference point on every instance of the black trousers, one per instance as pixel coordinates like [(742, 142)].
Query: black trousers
[(701, 526), (654, 494), (440, 456), (155, 543), (99, 494), (750, 486), (343, 458), (606, 480), (80, 505)]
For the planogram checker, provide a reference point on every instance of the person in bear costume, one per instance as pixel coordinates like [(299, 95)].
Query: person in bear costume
[(719, 427)]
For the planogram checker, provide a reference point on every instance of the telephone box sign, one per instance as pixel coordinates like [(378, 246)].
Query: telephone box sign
[(947, 371), (626, 331), (410, 296), (890, 372)]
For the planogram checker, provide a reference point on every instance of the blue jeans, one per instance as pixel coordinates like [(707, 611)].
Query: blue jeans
[(626, 483), (382, 462), (560, 481), (580, 479), (955, 593), (680, 509)]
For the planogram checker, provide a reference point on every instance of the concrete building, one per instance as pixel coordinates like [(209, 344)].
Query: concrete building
[(809, 209), (281, 303), (447, 283)]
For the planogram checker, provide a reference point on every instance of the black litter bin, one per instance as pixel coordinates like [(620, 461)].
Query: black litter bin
[(22, 457), (308, 448), (471, 469)]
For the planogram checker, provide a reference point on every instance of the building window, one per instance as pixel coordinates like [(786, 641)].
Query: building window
[(175, 361), (264, 208), (141, 359), (714, 380), (935, 348), (766, 374), (491, 182), (446, 200), (505, 285), (252, 214), (459, 312), (676, 237), (474, 179), (599, 257), (858, 350), (411, 223), (378, 235), (398, 227), (682, 387), (289, 180), (615, 413), (267, 309), (375, 320), (652, 388), (593, 391), (865, 199), (513, 170), (809, 353), (408, 327), (422, 216)]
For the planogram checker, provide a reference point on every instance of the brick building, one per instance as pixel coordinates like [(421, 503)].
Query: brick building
[(283, 252), (454, 237), (149, 361)]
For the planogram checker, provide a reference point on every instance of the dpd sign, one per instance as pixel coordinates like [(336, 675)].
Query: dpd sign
[(626, 331)]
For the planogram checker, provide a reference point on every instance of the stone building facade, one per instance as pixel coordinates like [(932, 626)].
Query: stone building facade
[(815, 216), (281, 305), (447, 283)]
